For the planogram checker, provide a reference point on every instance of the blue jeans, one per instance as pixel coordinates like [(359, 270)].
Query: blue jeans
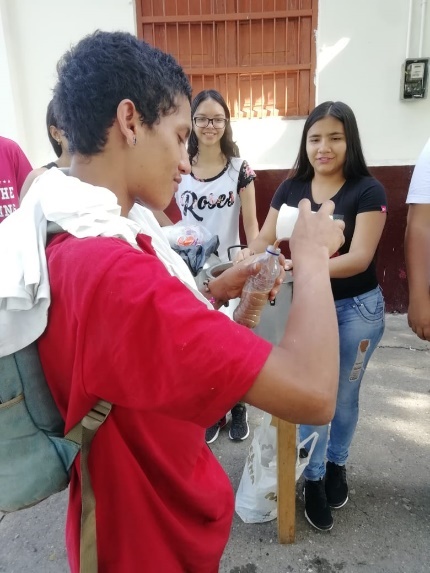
[(361, 322)]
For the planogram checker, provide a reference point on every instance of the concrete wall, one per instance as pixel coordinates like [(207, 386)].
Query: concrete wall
[(35, 35), (10, 111), (366, 73), (360, 49)]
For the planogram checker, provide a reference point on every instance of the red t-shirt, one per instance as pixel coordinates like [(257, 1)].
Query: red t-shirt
[(14, 168), (122, 329)]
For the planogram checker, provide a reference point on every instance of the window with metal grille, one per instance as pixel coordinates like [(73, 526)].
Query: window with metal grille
[(260, 54)]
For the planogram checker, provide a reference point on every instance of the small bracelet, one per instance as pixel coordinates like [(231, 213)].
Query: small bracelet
[(212, 299)]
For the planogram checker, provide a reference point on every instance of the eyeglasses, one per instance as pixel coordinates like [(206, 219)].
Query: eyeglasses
[(217, 122)]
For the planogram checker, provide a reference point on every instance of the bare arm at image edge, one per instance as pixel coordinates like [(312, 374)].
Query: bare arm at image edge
[(249, 212), (417, 255), (266, 236)]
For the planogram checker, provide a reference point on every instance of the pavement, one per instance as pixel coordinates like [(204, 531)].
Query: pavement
[(385, 526)]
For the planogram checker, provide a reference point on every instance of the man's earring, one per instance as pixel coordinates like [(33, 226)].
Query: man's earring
[(134, 140)]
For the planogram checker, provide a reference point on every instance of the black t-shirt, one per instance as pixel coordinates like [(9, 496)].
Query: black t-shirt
[(50, 165), (354, 197)]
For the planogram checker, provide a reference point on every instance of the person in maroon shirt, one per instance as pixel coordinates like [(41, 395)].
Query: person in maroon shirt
[(14, 168), (123, 329)]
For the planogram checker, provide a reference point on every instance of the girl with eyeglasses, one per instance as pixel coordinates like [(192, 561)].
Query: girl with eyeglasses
[(219, 187)]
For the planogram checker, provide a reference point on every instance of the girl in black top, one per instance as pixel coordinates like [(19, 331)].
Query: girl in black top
[(331, 165)]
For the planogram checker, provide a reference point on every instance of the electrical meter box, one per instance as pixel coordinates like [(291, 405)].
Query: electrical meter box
[(414, 79)]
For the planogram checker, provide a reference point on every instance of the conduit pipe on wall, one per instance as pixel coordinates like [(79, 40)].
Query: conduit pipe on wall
[(422, 26), (408, 35)]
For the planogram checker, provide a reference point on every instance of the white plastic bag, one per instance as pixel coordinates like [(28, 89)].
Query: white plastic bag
[(182, 234), (257, 494), (301, 463), (256, 497)]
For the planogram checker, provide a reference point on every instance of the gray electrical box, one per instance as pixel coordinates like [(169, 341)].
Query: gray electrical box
[(414, 79)]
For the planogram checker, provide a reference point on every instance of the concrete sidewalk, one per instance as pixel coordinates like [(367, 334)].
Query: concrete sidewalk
[(384, 528)]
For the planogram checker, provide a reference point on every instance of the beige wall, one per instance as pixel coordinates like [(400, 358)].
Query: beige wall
[(361, 46), (360, 49), (366, 73), (37, 33)]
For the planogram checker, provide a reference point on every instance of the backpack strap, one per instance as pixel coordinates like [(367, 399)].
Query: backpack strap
[(83, 434)]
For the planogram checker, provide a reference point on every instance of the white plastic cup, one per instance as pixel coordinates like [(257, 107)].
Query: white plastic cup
[(287, 218)]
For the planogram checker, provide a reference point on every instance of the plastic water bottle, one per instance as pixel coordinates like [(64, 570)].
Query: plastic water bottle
[(256, 290)]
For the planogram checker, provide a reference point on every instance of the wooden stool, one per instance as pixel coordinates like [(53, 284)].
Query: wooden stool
[(271, 328), (286, 480)]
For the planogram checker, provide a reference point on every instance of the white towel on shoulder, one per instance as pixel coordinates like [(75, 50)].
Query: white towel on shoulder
[(57, 201)]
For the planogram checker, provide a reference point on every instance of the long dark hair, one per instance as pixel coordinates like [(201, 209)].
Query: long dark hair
[(228, 147), (355, 164)]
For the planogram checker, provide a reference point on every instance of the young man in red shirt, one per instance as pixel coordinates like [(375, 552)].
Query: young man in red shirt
[(124, 327)]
